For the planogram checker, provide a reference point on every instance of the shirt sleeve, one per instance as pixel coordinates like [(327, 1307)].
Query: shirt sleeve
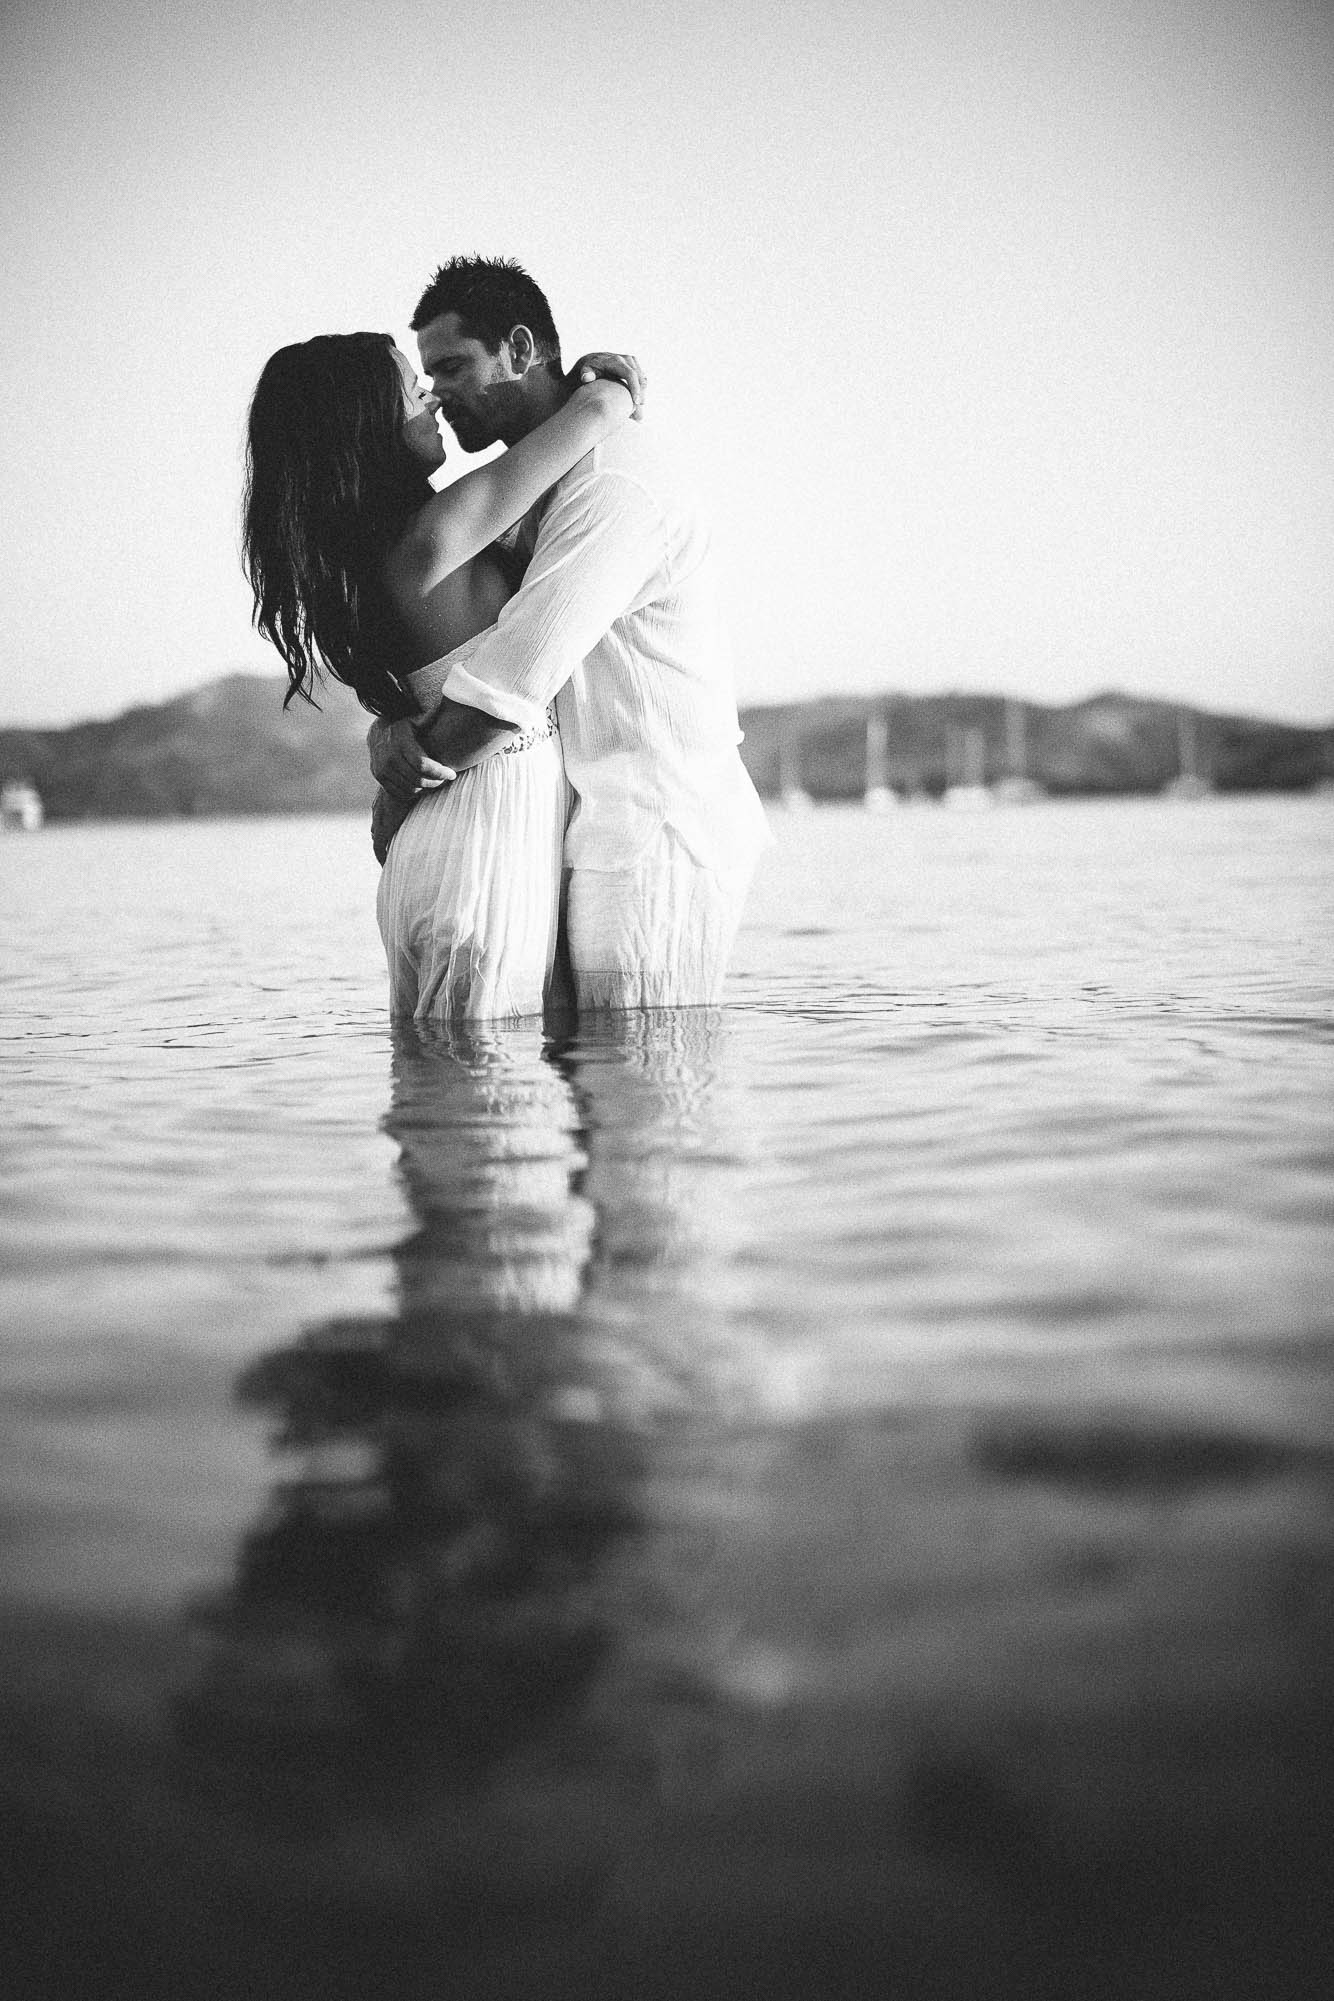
[(601, 552)]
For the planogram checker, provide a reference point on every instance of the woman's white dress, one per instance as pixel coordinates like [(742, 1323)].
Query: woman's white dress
[(469, 897)]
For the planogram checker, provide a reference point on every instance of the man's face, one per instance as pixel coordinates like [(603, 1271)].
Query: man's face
[(481, 397)]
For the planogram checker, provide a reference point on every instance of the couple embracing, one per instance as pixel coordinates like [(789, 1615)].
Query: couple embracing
[(563, 811)]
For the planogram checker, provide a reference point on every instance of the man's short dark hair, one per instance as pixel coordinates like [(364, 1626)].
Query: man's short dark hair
[(491, 295)]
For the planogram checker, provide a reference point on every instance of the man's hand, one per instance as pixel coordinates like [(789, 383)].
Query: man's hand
[(622, 368), (387, 816), (398, 762)]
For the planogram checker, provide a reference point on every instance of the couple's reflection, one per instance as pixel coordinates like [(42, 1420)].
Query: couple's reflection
[(423, 1588)]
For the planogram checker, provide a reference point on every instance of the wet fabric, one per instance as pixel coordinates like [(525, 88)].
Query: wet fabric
[(469, 898), (658, 934)]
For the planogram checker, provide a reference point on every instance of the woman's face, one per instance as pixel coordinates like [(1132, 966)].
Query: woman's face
[(421, 433)]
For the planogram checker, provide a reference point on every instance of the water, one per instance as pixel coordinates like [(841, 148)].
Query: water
[(878, 1431)]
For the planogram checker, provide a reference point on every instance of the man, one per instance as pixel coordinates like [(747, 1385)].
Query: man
[(616, 621)]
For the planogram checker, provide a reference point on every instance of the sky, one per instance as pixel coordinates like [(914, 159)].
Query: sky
[(998, 335)]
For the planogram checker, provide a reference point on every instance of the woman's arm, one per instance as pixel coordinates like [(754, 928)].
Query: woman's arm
[(387, 816), (457, 524)]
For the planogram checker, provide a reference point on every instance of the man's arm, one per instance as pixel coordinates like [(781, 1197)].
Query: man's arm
[(458, 736), (601, 552), (396, 749)]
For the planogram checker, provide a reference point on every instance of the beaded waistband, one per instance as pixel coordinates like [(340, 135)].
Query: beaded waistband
[(527, 738)]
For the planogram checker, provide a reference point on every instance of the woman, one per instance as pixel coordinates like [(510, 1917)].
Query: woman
[(360, 568)]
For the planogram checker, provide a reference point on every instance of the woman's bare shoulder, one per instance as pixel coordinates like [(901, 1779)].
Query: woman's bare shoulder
[(438, 615)]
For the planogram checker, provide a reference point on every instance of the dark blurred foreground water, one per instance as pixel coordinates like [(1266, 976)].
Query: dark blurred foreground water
[(829, 1495)]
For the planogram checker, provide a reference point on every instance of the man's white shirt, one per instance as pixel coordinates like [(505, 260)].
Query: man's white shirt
[(617, 621)]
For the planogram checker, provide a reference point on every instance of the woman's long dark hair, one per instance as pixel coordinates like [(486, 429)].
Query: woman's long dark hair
[(329, 485)]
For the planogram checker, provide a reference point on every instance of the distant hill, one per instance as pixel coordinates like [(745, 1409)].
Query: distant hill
[(231, 748), (228, 748), (1111, 743)]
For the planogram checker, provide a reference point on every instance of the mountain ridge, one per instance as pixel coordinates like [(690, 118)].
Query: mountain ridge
[(228, 747)]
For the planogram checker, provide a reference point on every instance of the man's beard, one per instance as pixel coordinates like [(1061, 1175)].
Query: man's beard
[(474, 434), (489, 420)]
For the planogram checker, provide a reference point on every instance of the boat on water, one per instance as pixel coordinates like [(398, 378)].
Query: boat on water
[(1016, 788), (966, 762), (878, 795), (21, 809), (1192, 781), (1014, 791), (792, 793)]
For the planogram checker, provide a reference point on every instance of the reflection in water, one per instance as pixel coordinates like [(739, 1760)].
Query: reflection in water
[(423, 1587), (925, 1589)]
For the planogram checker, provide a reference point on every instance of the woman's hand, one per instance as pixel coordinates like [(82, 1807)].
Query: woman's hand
[(387, 816), (622, 368)]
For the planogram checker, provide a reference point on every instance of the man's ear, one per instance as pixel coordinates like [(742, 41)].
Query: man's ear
[(523, 349)]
